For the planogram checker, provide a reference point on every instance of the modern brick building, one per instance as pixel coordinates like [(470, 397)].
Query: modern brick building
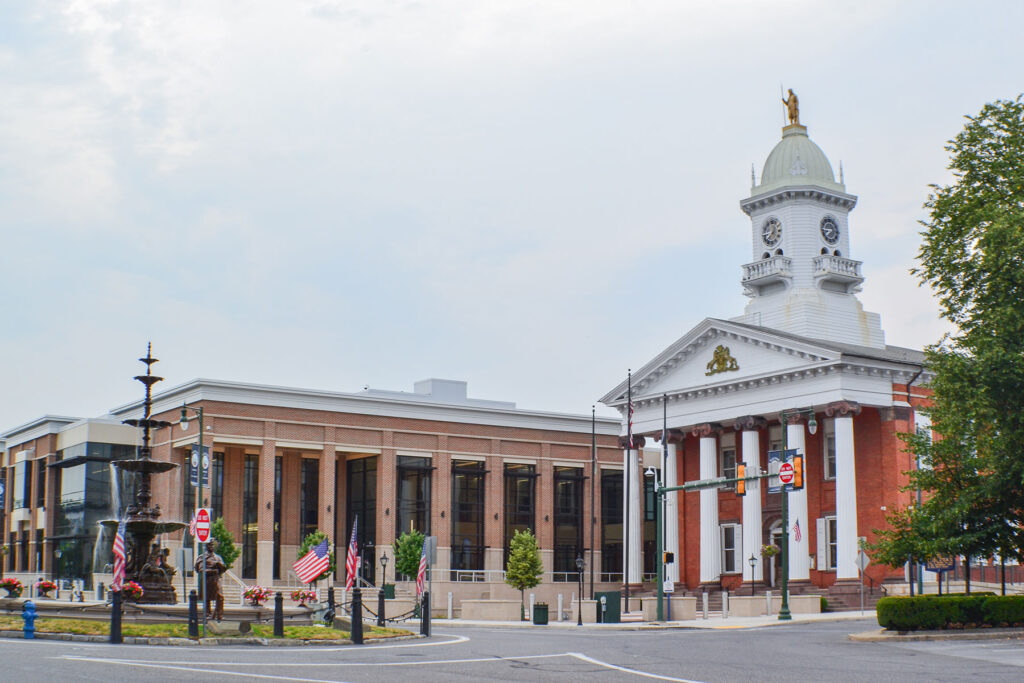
[(804, 346)]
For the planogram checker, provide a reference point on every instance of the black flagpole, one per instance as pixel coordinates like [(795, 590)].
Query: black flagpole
[(629, 468)]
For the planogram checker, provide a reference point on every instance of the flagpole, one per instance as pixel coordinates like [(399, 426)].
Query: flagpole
[(593, 477), (628, 483)]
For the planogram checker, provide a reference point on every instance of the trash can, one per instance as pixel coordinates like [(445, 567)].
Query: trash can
[(609, 610), (540, 613), (389, 591)]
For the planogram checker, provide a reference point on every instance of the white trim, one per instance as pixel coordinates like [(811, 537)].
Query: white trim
[(474, 458), (300, 445), (519, 461), (361, 450), (577, 464), (236, 441), (414, 454), (617, 468), (187, 441)]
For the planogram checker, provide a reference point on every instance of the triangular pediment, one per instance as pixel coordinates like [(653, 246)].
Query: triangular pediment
[(722, 352)]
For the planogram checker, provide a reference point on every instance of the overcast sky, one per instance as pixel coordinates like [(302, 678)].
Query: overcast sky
[(529, 196)]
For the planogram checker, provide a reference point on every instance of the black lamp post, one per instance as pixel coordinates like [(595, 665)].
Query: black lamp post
[(753, 563), (579, 572), (812, 427), (183, 423), (384, 569)]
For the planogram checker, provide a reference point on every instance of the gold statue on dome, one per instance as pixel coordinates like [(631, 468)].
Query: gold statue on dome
[(792, 108)]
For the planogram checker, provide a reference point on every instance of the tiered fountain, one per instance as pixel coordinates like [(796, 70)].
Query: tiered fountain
[(143, 520)]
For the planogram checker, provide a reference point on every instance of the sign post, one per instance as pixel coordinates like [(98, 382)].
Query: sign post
[(203, 525), (862, 563)]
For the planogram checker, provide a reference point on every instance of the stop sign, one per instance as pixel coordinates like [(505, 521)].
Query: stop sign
[(786, 473), (203, 525)]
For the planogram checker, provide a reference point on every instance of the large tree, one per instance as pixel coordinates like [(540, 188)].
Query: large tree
[(973, 258)]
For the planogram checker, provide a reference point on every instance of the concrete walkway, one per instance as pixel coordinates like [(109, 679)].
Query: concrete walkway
[(710, 623)]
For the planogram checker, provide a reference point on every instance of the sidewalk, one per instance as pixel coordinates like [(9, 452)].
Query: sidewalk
[(710, 623)]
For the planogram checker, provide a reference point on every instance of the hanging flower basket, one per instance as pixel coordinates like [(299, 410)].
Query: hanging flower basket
[(132, 591), (304, 595), (12, 586), (44, 587), (769, 550), (256, 595)]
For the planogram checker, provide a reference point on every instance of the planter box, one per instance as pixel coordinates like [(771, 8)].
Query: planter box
[(746, 606), (798, 604), (589, 611), (491, 610), (684, 608)]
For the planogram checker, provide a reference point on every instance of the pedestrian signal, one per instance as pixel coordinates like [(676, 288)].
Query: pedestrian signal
[(669, 557), (741, 485), (798, 472)]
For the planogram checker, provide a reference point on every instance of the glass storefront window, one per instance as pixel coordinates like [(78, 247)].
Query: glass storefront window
[(520, 501), (467, 516), (414, 475)]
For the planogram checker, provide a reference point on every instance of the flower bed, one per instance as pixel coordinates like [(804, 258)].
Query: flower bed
[(256, 595), (132, 591), (950, 611)]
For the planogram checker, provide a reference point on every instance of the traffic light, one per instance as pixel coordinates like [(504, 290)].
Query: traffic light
[(669, 557), (798, 472), (741, 485)]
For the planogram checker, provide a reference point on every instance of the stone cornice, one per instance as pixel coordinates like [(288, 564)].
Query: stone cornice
[(841, 199), (749, 423), (708, 429), (842, 409)]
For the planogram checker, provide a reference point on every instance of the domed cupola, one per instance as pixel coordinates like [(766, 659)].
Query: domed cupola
[(796, 160)]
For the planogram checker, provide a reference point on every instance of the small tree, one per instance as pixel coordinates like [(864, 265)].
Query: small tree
[(226, 547), (524, 566), (311, 541), (408, 549)]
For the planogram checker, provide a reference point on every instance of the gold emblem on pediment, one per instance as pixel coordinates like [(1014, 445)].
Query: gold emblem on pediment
[(721, 361)]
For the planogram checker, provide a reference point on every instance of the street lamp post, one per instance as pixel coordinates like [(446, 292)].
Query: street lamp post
[(579, 572), (753, 563), (659, 560), (199, 495), (812, 427), (384, 569)]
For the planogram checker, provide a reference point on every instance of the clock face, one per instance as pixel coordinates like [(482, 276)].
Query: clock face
[(771, 232), (829, 230)]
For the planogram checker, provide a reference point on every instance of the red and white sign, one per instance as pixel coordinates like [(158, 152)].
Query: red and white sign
[(203, 525), (786, 473)]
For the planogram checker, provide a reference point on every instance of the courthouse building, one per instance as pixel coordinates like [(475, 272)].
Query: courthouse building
[(803, 346)]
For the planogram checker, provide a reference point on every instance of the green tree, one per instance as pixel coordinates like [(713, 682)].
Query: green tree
[(524, 567), (226, 547), (408, 548), (972, 256), (311, 541)]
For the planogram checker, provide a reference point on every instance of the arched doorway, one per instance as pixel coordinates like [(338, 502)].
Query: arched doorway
[(774, 535)]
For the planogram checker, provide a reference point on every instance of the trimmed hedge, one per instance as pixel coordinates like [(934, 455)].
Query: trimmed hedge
[(950, 611)]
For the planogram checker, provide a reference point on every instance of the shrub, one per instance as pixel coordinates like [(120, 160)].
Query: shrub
[(226, 547), (824, 604), (935, 612)]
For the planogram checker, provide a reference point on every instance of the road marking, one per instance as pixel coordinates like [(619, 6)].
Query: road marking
[(635, 672)]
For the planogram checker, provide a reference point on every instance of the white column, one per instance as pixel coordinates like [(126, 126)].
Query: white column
[(631, 495), (799, 557), (752, 507), (672, 514), (710, 535), (846, 500)]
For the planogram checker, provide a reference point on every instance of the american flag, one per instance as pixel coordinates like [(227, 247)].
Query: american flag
[(119, 557), (352, 557), (796, 531), (421, 573), (192, 525), (631, 422), (313, 563)]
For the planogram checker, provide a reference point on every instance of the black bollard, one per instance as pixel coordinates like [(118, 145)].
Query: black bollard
[(279, 615), (425, 615), (357, 616), (380, 607), (115, 618), (193, 614), (329, 615)]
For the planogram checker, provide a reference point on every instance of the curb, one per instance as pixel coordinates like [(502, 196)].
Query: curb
[(884, 636), (202, 642)]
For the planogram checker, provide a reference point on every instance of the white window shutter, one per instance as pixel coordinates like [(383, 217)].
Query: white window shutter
[(822, 546)]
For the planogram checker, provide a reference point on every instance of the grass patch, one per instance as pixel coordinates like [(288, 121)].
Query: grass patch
[(92, 627)]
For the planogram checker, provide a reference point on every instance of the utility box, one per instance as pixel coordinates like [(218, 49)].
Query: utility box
[(540, 614), (609, 607), (389, 591)]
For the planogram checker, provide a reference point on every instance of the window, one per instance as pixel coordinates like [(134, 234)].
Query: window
[(278, 468), (413, 495), (250, 525), (650, 527), (23, 554), (611, 525), (829, 445), (727, 465), (520, 490), (309, 498), (11, 554), (831, 545), (19, 494), (467, 516), (41, 484), (188, 498), (731, 549), (361, 481), (217, 486), (39, 550), (568, 520)]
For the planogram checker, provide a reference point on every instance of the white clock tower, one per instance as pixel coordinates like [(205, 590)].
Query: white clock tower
[(802, 279)]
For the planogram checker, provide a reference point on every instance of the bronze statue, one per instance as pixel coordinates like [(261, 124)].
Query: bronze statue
[(210, 563), (792, 107), (154, 565)]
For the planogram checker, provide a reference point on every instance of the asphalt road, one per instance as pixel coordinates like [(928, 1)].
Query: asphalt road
[(796, 652)]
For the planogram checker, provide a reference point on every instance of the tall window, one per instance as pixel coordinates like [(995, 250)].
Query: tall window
[(278, 467), (829, 446), (520, 501), (11, 554), (22, 478), (23, 555), (731, 549), (41, 484), (188, 503), (728, 464), (831, 545), (250, 503), (650, 527), (39, 550), (467, 516), (413, 495), (309, 500), (611, 525), (217, 485), (568, 520), (361, 483)]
